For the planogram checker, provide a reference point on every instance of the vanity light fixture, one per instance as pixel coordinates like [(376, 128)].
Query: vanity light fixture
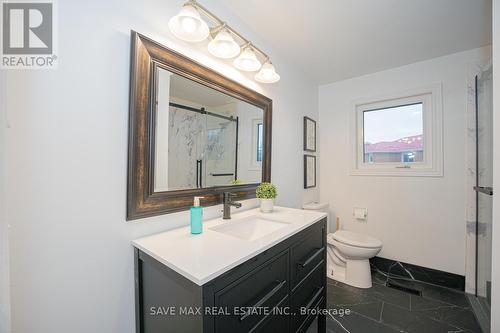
[(267, 74), (226, 42), (247, 60), (188, 24), (223, 45)]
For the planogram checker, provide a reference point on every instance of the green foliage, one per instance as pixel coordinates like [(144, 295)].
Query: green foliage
[(266, 191), (235, 182)]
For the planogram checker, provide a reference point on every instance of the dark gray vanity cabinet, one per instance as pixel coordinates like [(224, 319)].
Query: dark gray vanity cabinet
[(276, 291)]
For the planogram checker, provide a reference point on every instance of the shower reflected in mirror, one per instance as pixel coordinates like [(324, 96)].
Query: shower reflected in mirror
[(204, 138)]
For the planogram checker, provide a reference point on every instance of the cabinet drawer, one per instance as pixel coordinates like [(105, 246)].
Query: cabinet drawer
[(264, 287), (310, 294), (276, 324), (306, 254)]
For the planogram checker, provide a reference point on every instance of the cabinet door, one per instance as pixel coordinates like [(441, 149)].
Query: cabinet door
[(247, 301), (306, 254)]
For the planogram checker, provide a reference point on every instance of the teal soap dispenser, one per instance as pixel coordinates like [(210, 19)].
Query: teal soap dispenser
[(196, 216)]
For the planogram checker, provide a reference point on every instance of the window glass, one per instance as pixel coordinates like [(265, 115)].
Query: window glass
[(394, 134)]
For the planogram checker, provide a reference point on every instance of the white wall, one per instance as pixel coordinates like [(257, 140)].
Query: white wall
[(161, 132), (71, 258), (420, 220), (4, 239), (495, 294)]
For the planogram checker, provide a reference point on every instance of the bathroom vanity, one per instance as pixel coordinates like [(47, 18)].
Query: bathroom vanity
[(254, 273), (195, 133)]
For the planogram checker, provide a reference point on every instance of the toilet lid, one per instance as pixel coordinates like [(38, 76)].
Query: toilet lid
[(355, 239)]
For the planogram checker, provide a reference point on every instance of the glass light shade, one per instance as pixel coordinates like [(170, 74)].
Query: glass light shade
[(267, 74), (247, 61), (223, 45), (188, 25)]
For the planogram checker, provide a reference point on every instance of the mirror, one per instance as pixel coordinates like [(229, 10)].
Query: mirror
[(203, 137), (192, 132)]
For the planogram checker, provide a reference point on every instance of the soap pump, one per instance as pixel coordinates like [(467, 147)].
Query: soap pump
[(196, 216)]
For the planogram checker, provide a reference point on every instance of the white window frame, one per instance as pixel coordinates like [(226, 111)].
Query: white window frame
[(432, 113)]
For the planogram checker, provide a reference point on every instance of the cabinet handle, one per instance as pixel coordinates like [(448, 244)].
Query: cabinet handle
[(311, 258), (313, 299), (264, 299)]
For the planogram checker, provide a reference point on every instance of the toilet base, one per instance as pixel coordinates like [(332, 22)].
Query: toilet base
[(356, 273)]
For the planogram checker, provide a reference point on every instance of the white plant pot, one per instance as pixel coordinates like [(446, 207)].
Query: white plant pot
[(266, 205)]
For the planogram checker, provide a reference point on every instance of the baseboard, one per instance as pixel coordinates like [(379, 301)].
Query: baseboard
[(419, 273)]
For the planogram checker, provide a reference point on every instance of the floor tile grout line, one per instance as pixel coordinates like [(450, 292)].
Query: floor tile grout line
[(370, 318), (392, 303)]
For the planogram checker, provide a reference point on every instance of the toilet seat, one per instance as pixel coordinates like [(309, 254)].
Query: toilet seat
[(354, 239)]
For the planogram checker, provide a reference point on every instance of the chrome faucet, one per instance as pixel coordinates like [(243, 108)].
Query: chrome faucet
[(228, 202)]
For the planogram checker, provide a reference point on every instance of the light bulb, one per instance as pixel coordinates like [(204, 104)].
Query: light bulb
[(223, 45), (267, 74), (247, 61), (188, 25)]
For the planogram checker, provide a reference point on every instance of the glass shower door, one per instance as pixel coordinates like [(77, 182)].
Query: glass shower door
[(187, 142), (484, 190), (220, 150)]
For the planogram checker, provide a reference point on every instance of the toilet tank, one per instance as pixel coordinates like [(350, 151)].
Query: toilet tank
[(319, 207)]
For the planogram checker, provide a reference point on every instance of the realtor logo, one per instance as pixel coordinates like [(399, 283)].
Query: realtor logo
[(28, 35)]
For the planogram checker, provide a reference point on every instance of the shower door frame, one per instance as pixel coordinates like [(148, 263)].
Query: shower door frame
[(482, 314)]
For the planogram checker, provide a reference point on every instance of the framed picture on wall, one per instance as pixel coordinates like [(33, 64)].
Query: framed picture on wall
[(309, 171), (309, 134)]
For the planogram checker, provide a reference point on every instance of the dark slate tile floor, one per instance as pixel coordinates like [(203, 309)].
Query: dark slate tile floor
[(383, 309)]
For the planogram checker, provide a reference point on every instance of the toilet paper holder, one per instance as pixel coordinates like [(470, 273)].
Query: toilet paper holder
[(360, 213)]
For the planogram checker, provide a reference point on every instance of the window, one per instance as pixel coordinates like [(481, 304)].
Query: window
[(399, 136), (257, 152), (259, 143)]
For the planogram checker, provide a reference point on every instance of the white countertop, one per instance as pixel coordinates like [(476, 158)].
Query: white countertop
[(203, 257)]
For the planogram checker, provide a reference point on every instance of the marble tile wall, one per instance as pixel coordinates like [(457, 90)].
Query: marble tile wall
[(185, 145), (194, 136)]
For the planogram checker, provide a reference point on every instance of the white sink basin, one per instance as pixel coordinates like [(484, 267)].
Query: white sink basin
[(250, 228)]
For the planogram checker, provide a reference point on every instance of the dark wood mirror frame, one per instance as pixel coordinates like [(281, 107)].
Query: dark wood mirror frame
[(142, 201)]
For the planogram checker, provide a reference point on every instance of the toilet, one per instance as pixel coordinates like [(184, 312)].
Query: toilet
[(348, 253)]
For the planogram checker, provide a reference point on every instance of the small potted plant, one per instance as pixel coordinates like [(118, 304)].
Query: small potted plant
[(266, 192)]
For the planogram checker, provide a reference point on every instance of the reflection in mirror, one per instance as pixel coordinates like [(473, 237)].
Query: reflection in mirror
[(204, 138)]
